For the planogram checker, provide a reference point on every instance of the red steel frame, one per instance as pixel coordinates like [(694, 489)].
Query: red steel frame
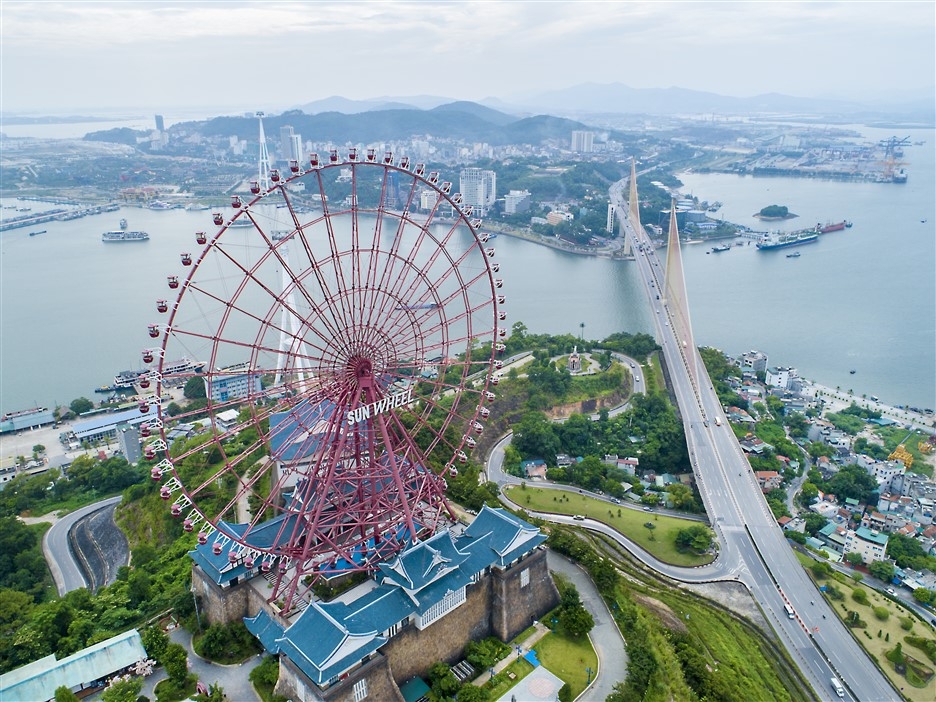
[(345, 307)]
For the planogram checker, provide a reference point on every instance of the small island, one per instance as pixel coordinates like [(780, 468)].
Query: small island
[(773, 213)]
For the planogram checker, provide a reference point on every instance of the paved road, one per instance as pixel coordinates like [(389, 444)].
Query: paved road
[(747, 531), (58, 553), (605, 637)]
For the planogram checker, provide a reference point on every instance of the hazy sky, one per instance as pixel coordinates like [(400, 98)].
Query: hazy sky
[(82, 56)]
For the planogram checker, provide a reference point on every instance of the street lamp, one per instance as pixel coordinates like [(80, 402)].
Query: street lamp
[(589, 672)]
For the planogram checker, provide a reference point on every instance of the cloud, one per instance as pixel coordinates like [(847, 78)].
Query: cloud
[(100, 53)]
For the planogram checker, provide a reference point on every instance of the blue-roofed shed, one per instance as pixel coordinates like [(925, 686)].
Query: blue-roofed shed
[(40, 679), (106, 423), (26, 420), (415, 690)]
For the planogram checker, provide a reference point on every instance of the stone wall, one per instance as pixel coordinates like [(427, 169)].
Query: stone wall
[(411, 652), (515, 606), (225, 605), (294, 685)]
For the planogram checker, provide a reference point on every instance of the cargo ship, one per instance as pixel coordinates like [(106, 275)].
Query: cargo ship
[(836, 227), (120, 235), (782, 241), (719, 249)]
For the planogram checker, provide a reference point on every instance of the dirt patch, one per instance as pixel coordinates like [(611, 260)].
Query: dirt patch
[(734, 597), (663, 612), (590, 406)]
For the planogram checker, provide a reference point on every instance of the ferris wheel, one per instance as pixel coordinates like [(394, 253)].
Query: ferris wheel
[(343, 327)]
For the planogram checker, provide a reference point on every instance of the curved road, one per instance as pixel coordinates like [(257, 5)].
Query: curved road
[(605, 637), (66, 572)]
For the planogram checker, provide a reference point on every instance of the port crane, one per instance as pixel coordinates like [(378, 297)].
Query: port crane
[(893, 149)]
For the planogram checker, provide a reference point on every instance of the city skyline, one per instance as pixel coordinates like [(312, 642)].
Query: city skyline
[(247, 55)]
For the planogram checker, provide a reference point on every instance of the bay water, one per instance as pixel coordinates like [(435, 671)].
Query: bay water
[(74, 310)]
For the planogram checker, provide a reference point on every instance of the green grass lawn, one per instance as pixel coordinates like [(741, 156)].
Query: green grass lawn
[(660, 541), (890, 629), (567, 658), (503, 682)]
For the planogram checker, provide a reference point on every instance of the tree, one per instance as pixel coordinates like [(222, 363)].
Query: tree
[(697, 538), (853, 558), (808, 494), (175, 661), (214, 694), (576, 621), (81, 405), (882, 570), (194, 388), (535, 437), (565, 693), (442, 680), (267, 673), (922, 595), (122, 689), (63, 694), (155, 642), (681, 497), (472, 693), (814, 523)]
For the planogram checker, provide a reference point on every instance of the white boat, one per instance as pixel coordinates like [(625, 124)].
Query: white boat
[(121, 235)]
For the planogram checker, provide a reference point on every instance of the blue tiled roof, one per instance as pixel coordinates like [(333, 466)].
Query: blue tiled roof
[(424, 563), (510, 537), (322, 647), (328, 639), (296, 434), (266, 629)]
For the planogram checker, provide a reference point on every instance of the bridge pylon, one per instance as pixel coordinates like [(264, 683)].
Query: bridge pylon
[(677, 301)]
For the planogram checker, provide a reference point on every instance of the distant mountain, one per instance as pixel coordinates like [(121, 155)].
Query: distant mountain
[(473, 108), (619, 98), (467, 121), (336, 103)]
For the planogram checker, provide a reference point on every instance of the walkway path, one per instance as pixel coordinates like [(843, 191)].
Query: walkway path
[(605, 637)]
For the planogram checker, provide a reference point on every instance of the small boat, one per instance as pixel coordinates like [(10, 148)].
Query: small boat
[(719, 249), (852, 371), (123, 224), (795, 254), (41, 231)]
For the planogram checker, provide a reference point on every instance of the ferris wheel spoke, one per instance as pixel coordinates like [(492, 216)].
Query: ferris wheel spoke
[(374, 325)]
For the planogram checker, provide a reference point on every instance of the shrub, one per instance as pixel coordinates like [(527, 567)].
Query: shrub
[(881, 613), (860, 596), (906, 623)]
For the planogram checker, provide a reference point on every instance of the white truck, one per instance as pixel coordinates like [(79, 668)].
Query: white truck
[(837, 686), (717, 421)]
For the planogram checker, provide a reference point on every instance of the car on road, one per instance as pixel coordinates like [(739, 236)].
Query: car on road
[(578, 517), (890, 591), (648, 509)]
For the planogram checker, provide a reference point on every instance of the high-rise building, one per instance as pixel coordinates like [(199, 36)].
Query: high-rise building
[(160, 123), (583, 142), (609, 225), (478, 189), (517, 201), (295, 147), (286, 138)]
